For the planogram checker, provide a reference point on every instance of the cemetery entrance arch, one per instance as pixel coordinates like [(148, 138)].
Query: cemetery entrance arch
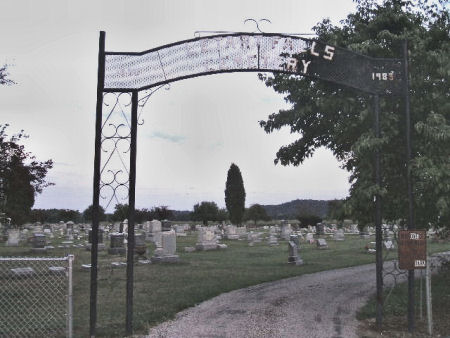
[(132, 72)]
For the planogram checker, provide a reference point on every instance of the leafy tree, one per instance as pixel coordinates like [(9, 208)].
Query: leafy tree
[(205, 211), (161, 212), (341, 119), (337, 210), (142, 215), (235, 195), (255, 213), (308, 219), (120, 212), (21, 176), (87, 214), (222, 215), (4, 76)]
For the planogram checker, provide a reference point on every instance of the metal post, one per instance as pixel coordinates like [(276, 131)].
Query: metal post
[(378, 230), (428, 297), (70, 298), (421, 295), (411, 324), (96, 185), (131, 213)]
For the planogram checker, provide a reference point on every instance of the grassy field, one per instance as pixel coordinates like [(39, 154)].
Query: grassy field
[(160, 291), (395, 310)]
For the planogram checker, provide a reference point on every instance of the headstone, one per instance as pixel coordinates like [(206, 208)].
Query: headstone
[(310, 238), (23, 272), (166, 254), (339, 235), (206, 240), (231, 232), (124, 226), (320, 229), (189, 249), (38, 242), (179, 230), (294, 238), (100, 245), (294, 258), (286, 231), (322, 243), (57, 270), (116, 244), (13, 237), (273, 241), (140, 248), (153, 231), (166, 225)]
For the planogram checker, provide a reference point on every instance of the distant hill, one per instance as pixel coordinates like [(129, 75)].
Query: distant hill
[(290, 210)]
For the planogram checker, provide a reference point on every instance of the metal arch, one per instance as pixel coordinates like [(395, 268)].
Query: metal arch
[(251, 52)]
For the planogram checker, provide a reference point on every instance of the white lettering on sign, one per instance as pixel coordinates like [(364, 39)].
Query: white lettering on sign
[(329, 53), (420, 263), (414, 236), (381, 76)]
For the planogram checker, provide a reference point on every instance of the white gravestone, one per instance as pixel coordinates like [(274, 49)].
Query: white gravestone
[(13, 238), (206, 240), (166, 254)]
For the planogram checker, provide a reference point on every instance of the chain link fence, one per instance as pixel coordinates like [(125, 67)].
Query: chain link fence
[(36, 297)]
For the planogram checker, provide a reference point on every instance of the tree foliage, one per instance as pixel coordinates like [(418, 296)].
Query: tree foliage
[(4, 76), (87, 214), (235, 195), (308, 219), (205, 211), (341, 119), (256, 212), (54, 215), (21, 176)]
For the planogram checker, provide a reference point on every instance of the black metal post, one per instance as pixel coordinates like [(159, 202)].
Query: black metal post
[(96, 186), (378, 230), (131, 213), (411, 301)]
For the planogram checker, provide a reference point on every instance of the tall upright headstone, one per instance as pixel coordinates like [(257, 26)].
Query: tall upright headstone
[(294, 257), (166, 253)]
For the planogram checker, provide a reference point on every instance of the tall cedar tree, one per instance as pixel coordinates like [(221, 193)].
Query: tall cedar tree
[(235, 195), (341, 119)]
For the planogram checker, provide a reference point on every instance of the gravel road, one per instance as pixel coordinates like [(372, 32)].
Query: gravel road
[(321, 304)]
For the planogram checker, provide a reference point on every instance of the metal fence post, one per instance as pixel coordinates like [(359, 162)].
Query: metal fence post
[(70, 259), (428, 296)]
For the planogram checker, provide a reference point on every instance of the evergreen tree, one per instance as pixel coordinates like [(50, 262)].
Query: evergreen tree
[(235, 195)]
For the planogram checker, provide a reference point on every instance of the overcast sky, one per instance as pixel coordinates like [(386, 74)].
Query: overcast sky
[(192, 132)]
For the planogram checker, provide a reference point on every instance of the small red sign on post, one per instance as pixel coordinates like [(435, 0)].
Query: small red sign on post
[(412, 249)]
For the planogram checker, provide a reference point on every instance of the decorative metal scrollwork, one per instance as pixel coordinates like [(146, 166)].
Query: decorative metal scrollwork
[(257, 24), (116, 143)]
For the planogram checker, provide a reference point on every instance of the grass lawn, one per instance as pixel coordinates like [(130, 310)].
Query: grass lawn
[(160, 291), (395, 322)]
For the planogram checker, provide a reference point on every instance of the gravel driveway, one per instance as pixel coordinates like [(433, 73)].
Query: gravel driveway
[(321, 304)]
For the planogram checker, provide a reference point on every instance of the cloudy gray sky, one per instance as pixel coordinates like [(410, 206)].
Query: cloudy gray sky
[(192, 132)]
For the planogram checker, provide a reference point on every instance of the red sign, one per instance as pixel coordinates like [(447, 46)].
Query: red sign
[(412, 249)]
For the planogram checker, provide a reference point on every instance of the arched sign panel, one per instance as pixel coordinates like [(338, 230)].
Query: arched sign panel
[(247, 52)]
